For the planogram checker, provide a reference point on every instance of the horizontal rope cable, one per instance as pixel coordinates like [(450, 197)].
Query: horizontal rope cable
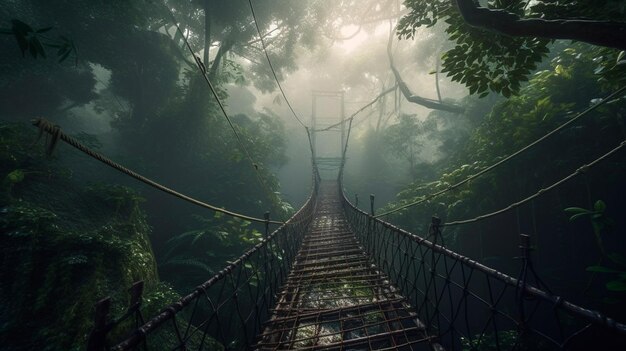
[(55, 131), (202, 70), (557, 301), (579, 171), (359, 110), (256, 24), (504, 160)]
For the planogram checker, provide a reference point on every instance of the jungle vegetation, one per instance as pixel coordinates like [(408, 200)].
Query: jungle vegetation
[(459, 95)]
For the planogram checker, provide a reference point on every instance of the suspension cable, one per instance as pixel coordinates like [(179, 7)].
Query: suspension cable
[(256, 24), (508, 158), (57, 134), (203, 72), (352, 116), (581, 170)]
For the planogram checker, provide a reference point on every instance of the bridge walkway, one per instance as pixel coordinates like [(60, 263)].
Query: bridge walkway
[(335, 298)]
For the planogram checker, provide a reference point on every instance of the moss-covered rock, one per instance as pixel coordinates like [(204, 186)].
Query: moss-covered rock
[(65, 245)]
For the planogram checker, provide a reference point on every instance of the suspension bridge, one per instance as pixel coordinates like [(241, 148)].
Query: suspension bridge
[(333, 277)]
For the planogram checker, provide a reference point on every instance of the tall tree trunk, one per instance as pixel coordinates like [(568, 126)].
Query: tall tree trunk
[(225, 46), (437, 67), (207, 33)]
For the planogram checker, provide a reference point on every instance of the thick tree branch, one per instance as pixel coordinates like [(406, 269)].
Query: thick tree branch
[(408, 94), (602, 33), (225, 46)]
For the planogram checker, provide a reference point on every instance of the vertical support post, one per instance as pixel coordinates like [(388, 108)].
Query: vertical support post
[(356, 200), (343, 124), (524, 247), (266, 215), (520, 292), (372, 205), (136, 292), (314, 124), (435, 230), (97, 337)]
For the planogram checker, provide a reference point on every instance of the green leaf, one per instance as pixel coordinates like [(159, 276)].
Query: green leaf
[(15, 176), (601, 269), (64, 56), (620, 56), (36, 44), (578, 215), (43, 30), (19, 26), (617, 258), (599, 206), (616, 285), (576, 210)]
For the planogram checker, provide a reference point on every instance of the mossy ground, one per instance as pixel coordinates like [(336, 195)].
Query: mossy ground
[(65, 244)]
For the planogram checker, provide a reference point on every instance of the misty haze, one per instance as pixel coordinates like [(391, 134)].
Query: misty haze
[(312, 175)]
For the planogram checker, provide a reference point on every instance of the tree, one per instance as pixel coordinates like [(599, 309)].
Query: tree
[(597, 32), (492, 52), (227, 27), (402, 140), (408, 94)]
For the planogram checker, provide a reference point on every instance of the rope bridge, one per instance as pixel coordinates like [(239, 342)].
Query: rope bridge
[(336, 278), (333, 277)]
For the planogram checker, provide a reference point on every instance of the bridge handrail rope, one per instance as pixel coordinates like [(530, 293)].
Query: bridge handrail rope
[(508, 158), (202, 71), (169, 313), (256, 24), (269, 245), (282, 91), (57, 134), (591, 316), (580, 170), (353, 115)]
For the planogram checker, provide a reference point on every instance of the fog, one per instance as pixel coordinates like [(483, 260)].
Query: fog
[(149, 140)]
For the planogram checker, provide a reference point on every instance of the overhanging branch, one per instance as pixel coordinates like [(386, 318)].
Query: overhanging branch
[(602, 33), (408, 94)]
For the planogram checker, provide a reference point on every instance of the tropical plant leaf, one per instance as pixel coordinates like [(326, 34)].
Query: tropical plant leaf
[(617, 258), (601, 269), (576, 210), (616, 285), (599, 206)]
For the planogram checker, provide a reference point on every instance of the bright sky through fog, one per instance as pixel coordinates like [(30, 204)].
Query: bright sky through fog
[(352, 43)]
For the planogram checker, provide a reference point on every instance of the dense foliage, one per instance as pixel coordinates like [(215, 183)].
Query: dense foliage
[(487, 61), (575, 80), (73, 231)]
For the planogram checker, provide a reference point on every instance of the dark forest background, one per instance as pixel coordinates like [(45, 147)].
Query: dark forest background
[(117, 76)]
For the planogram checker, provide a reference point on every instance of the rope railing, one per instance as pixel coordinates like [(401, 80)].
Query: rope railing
[(472, 306), (353, 115), (203, 72), (507, 158), (57, 134), (579, 171), (226, 311), (269, 62)]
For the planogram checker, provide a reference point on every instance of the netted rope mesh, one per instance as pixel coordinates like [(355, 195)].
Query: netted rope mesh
[(226, 311), (470, 306), (508, 158)]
